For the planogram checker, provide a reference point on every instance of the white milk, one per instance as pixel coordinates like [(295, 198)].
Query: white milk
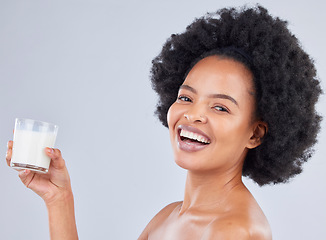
[(28, 149)]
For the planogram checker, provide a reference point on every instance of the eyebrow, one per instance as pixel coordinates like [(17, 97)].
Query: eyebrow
[(218, 95)]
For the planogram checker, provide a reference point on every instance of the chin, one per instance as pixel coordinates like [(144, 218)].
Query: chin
[(190, 163)]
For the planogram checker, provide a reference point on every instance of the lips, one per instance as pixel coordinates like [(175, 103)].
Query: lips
[(191, 139)]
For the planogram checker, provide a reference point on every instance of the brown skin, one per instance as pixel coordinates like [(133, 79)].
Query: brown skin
[(216, 204), (55, 189)]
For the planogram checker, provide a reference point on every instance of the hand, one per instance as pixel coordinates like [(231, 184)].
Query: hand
[(52, 186)]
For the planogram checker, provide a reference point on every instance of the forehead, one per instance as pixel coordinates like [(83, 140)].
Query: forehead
[(217, 74)]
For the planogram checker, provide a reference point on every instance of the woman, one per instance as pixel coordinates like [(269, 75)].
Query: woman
[(238, 95)]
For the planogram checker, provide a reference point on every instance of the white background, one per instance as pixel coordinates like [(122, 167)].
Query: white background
[(84, 65)]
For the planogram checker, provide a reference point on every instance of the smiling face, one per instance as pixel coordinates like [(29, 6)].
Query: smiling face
[(211, 123)]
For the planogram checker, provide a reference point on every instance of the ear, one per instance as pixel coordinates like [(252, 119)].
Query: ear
[(260, 129)]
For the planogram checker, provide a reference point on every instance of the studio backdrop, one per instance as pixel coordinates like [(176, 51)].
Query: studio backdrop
[(84, 65)]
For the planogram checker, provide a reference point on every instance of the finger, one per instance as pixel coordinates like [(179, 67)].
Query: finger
[(9, 152), (8, 156), (26, 176), (10, 144), (56, 158)]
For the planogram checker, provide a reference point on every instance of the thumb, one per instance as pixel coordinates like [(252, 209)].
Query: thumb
[(57, 161)]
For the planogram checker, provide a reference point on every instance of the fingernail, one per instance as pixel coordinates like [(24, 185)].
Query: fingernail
[(49, 150)]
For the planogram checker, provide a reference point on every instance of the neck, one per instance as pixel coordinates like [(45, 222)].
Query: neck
[(209, 190)]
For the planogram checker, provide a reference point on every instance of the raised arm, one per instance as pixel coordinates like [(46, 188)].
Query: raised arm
[(55, 189)]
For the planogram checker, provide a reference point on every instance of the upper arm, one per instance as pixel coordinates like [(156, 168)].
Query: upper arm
[(157, 220)]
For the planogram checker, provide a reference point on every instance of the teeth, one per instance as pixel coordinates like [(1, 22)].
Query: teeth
[(193, 136), (200, 139)]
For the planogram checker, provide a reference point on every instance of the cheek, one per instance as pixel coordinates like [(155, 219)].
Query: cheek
[(232, 132), (172, 119), (172, 116)]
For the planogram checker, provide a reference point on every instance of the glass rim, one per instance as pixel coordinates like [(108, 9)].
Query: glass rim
[(37, 121)]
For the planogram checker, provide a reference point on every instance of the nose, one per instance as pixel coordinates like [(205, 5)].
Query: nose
[(196, 115)]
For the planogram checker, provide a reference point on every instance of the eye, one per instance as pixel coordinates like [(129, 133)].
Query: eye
[(184, 99), (221, 109)]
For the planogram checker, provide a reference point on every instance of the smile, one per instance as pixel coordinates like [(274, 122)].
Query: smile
[(191, 139), (191, 136)]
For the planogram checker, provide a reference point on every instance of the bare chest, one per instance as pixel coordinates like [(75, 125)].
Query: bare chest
[(184, 227)]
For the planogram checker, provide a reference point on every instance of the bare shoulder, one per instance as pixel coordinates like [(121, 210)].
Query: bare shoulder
[(240, 226), (243, 220), (158, 219)]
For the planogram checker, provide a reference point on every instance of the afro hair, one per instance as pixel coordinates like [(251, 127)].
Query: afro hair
[(284, 77)]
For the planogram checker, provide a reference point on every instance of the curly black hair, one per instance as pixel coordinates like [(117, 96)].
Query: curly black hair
[(286, 85)]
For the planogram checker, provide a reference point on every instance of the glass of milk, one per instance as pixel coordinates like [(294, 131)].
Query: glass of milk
[(30, 139)]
